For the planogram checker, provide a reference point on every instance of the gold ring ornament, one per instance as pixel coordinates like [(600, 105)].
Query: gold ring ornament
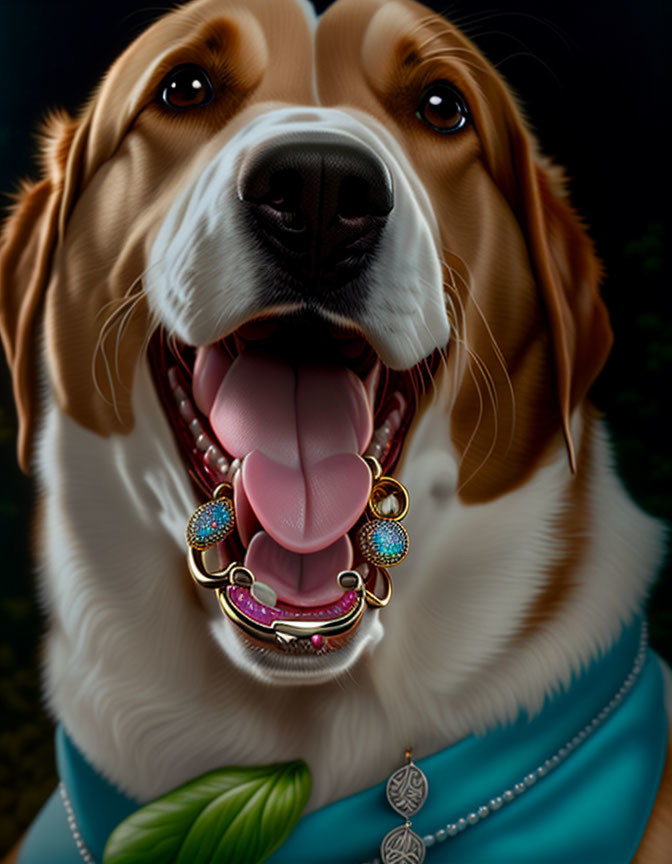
[(383, 540), (254, 606)]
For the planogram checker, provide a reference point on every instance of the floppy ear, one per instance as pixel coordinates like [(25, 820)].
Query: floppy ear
[(27, 244), (567, 272)]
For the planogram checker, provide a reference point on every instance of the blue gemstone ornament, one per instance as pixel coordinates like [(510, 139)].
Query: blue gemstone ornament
[(210, 523), (383, 542)]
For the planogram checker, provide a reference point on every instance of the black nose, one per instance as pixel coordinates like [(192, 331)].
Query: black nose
[(319, 207)]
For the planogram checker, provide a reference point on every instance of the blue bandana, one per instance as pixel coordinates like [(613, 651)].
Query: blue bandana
[(593, 807)]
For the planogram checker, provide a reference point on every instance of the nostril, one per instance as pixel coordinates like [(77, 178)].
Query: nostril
[(353, 198), (278, 205), (284, 192), (367, 193)]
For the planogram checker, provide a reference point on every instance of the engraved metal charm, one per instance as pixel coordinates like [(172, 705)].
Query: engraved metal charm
[(407, 790), (402, 846)]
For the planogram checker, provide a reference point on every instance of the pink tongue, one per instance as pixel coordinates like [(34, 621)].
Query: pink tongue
[(302, 580), (299, 431)]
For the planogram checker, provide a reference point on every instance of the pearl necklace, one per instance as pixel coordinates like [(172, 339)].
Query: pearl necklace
[(82, 848), (451, 829), (468, 820)]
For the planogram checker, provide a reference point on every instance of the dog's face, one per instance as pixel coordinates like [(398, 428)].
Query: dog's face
[(317, 236)]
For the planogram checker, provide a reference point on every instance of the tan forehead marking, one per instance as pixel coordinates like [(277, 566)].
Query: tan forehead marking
[(398, 37), (256, 36), (395, 34)]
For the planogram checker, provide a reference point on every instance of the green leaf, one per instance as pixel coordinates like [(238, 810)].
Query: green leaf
[(234, 814)]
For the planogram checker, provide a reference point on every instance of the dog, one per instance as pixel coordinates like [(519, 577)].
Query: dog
[(268, 247)]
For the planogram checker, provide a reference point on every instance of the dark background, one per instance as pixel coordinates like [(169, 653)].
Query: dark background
[(596, 87)]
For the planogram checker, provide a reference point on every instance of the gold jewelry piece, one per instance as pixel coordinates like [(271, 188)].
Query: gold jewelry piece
[(380, 540), (281, 627), (380, 602), (233, 584), (383, 540), (212, 521)]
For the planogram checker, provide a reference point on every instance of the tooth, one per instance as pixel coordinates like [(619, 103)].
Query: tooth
[(394, 420), (374, 449), (264, 594), (222, 466), (382, 434), (172, 377), (212, 456), (401, 402), (202, 442), (179, 394), (233, 470), (195, 427), (186, 410)]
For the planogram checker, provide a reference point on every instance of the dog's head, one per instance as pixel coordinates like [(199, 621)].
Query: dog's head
[(316, 235)]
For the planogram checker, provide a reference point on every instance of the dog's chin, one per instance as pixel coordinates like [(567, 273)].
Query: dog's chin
[(284, 668)]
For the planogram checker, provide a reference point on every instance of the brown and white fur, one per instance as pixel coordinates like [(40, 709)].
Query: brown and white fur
[(522, 568)]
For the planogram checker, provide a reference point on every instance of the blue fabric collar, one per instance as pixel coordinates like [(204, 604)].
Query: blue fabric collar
[(594, 807)]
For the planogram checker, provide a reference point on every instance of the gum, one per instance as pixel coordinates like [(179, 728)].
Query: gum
[(243, 600)]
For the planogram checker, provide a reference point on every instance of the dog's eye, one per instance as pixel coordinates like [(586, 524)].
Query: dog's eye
[(443, 107), (186, 87)]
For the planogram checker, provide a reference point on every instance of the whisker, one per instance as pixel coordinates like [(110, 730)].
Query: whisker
[(423, 22), (531, 56), (482, 369), (122, 310), (481, 409), (547, 23), (495, 345), (125, 321), (474, 364)]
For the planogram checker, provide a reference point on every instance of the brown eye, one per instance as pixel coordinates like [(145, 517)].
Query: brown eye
[(442, 106), (186, 87)]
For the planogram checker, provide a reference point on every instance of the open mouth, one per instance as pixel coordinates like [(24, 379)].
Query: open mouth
[(283, 410)]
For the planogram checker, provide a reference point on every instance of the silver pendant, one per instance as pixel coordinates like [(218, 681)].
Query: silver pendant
[(406, 792), (402, 846)]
